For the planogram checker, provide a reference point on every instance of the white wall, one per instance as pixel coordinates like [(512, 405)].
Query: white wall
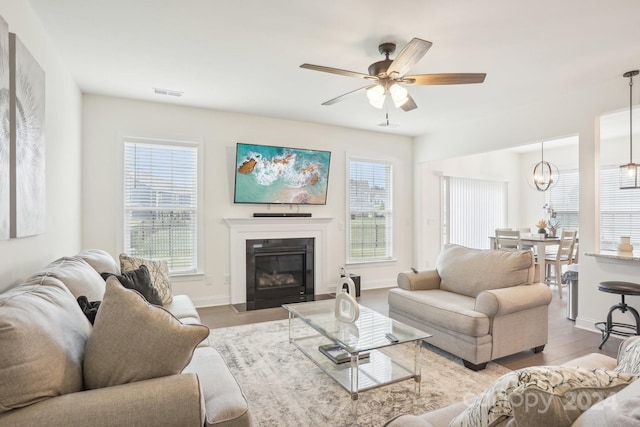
[(22, 257), (525, 203), (569, 113), (106, 119), (532, 200), (496, 166)]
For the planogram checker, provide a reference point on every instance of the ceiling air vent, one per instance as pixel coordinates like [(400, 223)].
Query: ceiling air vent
[(167, 92)]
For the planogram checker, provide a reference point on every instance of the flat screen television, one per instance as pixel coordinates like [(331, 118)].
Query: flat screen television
[(266, 174)]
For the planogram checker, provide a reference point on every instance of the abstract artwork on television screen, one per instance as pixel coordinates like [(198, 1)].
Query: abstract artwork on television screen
[(268, 174)]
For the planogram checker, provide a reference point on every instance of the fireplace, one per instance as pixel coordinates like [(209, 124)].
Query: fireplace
[(279, 271)]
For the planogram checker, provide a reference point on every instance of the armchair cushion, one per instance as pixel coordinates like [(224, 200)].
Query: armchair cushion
[(469, 271), (442, 307)]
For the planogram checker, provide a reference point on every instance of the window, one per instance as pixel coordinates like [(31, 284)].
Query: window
[(619, 210), (161, 202), (472, 209), (370, 210), (563, 198)]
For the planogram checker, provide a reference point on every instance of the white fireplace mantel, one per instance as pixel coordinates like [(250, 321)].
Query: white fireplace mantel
[(243, 229)]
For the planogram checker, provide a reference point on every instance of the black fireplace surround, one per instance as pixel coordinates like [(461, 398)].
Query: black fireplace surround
[(279, 271)]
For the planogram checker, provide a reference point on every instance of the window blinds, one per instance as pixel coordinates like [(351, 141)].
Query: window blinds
[(472, 210), (370, 210), (564, 199), (160, 203), (619, 210)]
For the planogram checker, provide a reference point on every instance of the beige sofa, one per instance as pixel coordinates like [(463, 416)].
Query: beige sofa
[(478, 304), (44, 335), (585, 408)]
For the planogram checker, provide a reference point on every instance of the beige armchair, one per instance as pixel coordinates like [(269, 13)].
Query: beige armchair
[(478, 304)]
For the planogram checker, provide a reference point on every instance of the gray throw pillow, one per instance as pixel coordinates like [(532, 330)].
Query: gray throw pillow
[(138, 280), (133, 340), (158, 270)]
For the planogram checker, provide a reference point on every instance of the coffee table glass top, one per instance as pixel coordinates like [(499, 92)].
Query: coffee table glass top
[(365, 334)]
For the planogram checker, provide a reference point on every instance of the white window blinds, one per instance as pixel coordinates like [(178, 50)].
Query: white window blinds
[(619, 210), (161, 203), (564, 199), (472, 210), (370, 210)]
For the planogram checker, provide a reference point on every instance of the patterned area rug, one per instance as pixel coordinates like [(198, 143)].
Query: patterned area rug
[(285, 388)]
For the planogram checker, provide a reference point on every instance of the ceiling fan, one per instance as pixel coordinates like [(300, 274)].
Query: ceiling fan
[(388, 76)]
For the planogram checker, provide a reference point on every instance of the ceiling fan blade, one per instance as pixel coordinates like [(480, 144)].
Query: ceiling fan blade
[(444, 79), (408, 56), (409, 105), (338, 71), (346, 95)]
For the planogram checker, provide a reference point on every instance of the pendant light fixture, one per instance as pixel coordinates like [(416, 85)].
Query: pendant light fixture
[(629, 172), (545, 174)]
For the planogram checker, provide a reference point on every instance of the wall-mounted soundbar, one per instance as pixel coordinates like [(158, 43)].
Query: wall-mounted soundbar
[(281, 215)]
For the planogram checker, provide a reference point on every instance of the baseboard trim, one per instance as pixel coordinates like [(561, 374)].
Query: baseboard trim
[(378, 284), (589, 325), (211, 301), (226, 300)]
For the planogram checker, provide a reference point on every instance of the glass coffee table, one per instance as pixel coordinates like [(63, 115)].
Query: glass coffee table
[(373, 359)]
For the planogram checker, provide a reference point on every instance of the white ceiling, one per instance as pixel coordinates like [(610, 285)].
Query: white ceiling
[(244, 55)]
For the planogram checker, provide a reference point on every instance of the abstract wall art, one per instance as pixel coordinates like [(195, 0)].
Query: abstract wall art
[(27, 142), (4, 130)]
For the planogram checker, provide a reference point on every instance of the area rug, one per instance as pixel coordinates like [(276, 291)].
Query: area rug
[(284, 388)]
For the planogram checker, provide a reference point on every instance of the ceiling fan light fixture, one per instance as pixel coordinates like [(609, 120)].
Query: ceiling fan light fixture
[(399, 94), (376, 96)]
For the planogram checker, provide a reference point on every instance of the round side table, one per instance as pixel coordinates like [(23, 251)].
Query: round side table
[(623, 289)]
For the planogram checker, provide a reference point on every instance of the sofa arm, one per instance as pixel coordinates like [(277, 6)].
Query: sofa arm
[(175, 400), (422, 280), (498, 302)]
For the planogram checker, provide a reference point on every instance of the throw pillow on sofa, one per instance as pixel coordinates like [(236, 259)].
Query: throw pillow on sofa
[(43, 335), (629, 359), (158, 270), (497, 402), (133, 340), (138, 280)]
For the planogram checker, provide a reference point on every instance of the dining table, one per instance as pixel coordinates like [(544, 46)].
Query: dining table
[(540, 242)]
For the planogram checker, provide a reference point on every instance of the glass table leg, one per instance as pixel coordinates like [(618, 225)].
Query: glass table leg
[(417, 367)]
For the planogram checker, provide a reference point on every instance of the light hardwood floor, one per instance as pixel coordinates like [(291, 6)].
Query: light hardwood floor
[(565, 341)]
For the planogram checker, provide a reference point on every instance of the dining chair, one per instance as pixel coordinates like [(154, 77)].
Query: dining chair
[(527, 232), (576, 253), (563, 256), (508, 239)]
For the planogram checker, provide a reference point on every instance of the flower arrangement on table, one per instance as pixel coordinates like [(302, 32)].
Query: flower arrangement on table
[(553, 227), (542, 226)]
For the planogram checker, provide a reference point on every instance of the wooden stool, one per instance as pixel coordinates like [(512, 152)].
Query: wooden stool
[(624, 329)]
